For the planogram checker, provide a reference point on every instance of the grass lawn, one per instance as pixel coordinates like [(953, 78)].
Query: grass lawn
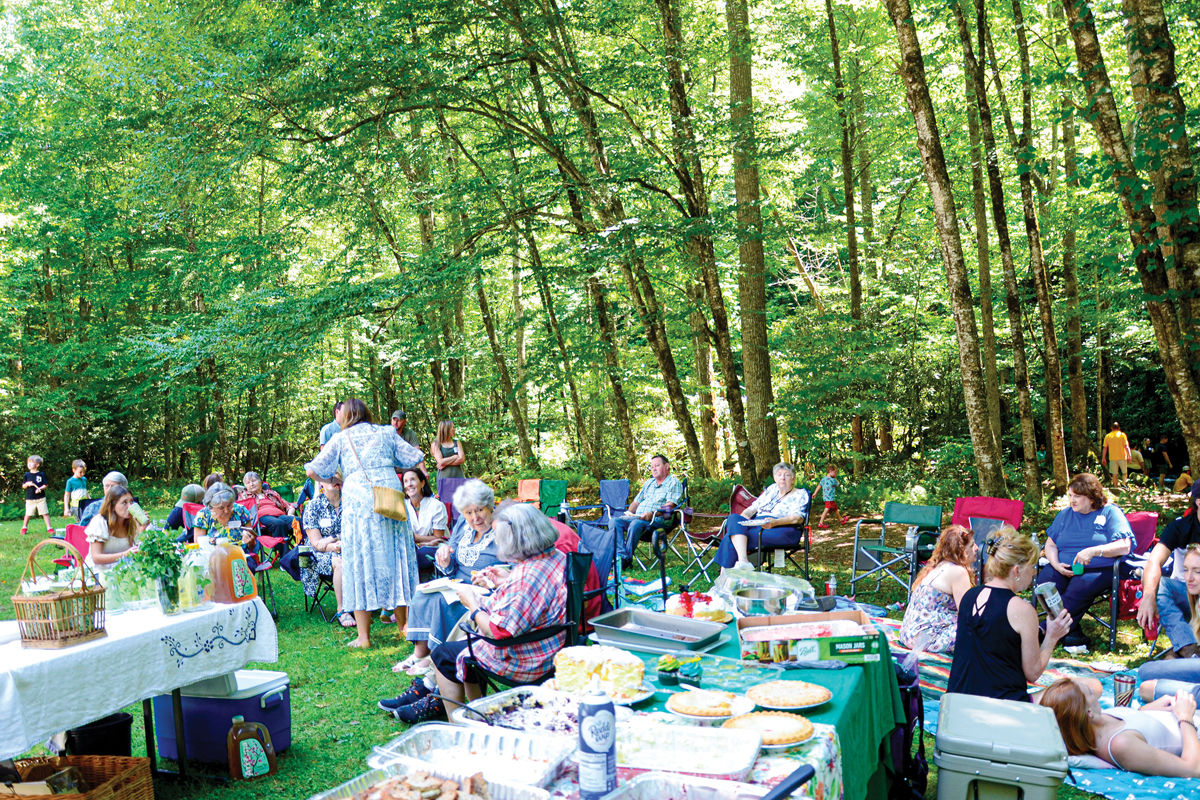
[(334, 689)]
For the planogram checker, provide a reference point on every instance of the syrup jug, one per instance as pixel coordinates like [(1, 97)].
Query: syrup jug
[(232, 580), (250, 752)]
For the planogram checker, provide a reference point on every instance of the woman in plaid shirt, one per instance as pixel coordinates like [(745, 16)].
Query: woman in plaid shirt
[(532, 595)]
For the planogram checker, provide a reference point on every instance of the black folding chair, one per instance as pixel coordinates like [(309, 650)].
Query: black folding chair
[(578, 566)]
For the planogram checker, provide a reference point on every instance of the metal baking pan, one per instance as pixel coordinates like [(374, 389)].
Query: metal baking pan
[(635, 626), (716, 753), (475, 750), (666, 786), (497, 789), (495, 702)]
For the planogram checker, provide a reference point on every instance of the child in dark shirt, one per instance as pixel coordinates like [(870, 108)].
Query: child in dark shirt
[(35, 494)]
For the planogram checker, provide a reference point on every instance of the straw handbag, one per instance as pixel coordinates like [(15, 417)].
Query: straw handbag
[(388, 501)]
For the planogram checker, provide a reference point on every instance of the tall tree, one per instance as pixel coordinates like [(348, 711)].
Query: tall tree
[(988, 463)]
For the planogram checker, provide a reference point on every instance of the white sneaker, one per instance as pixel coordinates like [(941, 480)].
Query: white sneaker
[(743, 565)]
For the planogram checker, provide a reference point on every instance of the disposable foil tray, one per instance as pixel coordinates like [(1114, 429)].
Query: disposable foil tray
[(497, 789), (473, 750), (666, 786), (717, 753), (494, 702), (638, 627)]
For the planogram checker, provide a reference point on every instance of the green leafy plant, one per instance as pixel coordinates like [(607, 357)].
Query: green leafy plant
[(158, 556)]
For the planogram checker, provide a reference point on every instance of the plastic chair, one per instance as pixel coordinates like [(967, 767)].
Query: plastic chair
[(873, 557), (578, 567), (529, 491), (552, 496)]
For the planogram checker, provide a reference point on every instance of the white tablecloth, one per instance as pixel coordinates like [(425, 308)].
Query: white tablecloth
[(145, 653)]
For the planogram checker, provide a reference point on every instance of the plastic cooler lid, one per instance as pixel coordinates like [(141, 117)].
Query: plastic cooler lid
[(238, 685), (1000, 730)]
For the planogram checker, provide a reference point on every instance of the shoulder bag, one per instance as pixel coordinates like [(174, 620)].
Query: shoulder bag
[(388, 501)]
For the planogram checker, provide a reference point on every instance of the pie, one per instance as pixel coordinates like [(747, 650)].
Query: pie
[(775, 727), (708, 703), (788, 694)]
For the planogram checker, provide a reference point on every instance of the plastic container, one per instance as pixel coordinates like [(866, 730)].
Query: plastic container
[(260, 696), (992, 749), (248, 746), (194, 583), (108, 736), (232, 580)]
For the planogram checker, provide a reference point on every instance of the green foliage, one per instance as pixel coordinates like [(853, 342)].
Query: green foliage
[(158, 556)]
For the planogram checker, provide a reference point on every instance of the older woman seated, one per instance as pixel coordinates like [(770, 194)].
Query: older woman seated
[(1157, 739), (780, 512), (274, 513), (1089, 535), (221, 517), (531, 596), (471, 548), (323, 525)]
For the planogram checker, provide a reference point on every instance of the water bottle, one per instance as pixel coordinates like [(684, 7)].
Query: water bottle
[(597, 744)]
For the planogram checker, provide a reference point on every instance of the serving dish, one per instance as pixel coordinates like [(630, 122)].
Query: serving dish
[(498, 790), (635, 626)]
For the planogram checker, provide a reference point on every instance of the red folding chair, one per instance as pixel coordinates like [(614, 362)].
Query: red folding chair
[(76, 536), (703, 543), (529, 491), (267, 557), (1126, 594), (983, 516)]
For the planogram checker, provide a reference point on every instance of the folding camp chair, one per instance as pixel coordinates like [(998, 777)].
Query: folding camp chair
[(578, 566), (529, 491), (286, 491), (873, 557), (446, 487), (983, 516), (552, 496), (614, 498), (702, 543), (1145, 526), (601, 542), (76, 536), (190, 510)]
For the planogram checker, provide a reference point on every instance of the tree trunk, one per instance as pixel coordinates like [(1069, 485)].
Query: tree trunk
[(987, 313), (988, 463), (519, 330), (608, 342), (761, 426), (702, 355), (219, 404), (1033, 483), (865, 190), (1173, 323), (1056, 453), (1079, 422), (528, 460)]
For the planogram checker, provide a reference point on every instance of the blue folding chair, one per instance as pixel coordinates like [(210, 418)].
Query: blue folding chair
[(601, 542)]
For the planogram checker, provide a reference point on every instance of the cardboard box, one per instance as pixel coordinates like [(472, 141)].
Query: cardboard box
[(851, 649)]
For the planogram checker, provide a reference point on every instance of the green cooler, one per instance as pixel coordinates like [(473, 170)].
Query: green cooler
[(997, 750)]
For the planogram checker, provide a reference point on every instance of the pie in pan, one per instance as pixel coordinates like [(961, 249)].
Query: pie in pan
[(708, 703), (785, 694), (775, 727)]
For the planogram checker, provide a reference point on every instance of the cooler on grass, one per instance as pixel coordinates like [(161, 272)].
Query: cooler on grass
[(997, 750), (209, 707)]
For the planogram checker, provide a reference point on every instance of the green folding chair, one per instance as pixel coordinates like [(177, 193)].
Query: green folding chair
[(286, 491), (552, 495), (873, 557)]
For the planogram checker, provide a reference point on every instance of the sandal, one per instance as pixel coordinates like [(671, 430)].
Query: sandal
[(421, 668), (345, 619), (405, 665)]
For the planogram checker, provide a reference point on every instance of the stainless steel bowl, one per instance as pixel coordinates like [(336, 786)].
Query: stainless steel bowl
[(762, 601)]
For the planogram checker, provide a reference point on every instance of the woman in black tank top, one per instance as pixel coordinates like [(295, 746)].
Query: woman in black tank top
[(997, 653)]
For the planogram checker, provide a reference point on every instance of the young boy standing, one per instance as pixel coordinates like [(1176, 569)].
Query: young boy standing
[(35, 494), (76, 490), (829, 486)]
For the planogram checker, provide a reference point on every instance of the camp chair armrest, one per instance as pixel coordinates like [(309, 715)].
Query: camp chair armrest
[(584, 508), (525, 638)]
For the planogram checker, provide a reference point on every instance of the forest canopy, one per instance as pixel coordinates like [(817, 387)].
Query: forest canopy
[(947, 237)]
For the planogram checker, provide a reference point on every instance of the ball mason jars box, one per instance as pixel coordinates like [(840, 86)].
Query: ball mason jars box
[(843, 635)]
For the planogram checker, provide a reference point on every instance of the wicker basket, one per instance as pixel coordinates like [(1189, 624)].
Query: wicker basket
[(110, 777), (60, 619)]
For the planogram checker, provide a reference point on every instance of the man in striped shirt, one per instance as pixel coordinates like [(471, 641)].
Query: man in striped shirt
[(661, 493)]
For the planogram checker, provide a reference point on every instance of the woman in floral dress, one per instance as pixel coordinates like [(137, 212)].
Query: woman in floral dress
[(931, 620), (322, 525), (379, 558)]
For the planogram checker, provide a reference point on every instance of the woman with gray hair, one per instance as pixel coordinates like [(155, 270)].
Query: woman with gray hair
[(275, 514), (472, 548), (379, 557), (222, 517), (780, 511), (531, 596)]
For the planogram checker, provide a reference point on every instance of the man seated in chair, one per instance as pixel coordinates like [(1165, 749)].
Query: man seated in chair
[(641, 518), (1167, 598)]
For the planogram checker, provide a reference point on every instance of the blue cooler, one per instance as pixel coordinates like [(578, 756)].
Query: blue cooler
[(209, 707)]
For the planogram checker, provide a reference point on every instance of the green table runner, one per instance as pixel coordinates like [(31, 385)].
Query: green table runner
[(865, 707)]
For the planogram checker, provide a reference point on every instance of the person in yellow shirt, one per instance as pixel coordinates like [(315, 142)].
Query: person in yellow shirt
[(1115, 453), (1184, 482)]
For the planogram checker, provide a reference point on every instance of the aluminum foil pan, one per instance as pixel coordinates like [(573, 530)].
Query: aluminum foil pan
[(497, 789), (548, 724), (665, 786), (717, 753), (459, 752), (635, 626)]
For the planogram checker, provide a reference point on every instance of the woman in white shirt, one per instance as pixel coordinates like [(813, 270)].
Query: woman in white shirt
[(112, 532), (426, 514), (782, 510)]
